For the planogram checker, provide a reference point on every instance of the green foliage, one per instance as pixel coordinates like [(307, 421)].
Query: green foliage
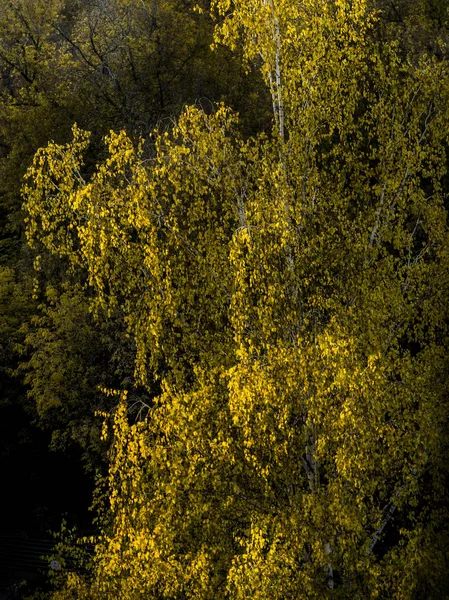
[(286, 296), (419, 26), (70, 356), (16, 307)]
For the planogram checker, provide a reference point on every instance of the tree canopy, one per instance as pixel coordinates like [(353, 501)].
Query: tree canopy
[(285, 295)]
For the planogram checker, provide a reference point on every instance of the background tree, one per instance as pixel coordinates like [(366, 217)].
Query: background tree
[(70, 356)]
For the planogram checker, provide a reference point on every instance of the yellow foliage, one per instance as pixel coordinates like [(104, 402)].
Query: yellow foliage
[(288, 294)]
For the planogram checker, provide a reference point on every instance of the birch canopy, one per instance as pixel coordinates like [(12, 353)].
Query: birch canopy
[(287, 297)]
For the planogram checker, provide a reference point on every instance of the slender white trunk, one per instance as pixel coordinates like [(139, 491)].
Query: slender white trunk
[(329, 569), (274, 74), (280, 104)]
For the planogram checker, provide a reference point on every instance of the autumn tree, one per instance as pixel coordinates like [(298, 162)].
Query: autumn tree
[(286, 296)]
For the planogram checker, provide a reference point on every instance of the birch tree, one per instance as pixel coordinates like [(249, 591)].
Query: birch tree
[(286, 294)]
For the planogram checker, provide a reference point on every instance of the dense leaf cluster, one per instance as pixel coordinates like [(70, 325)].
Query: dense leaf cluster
[(258, 308)]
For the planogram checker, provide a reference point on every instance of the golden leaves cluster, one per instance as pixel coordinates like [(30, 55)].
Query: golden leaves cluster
[(287, 294)]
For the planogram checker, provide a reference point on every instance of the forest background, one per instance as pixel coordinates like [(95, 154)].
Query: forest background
[(247, 280)]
